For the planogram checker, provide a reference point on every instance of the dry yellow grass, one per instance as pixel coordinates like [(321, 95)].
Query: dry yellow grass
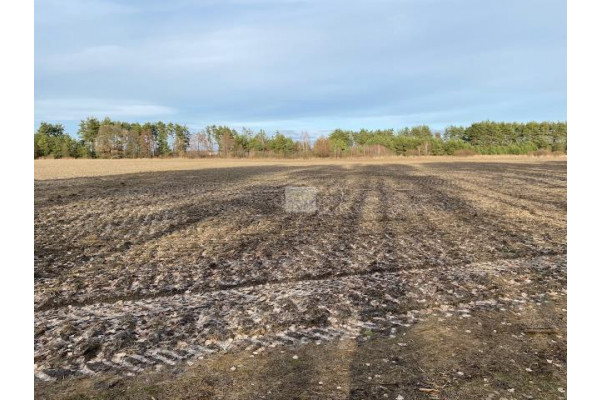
[(72, 168)]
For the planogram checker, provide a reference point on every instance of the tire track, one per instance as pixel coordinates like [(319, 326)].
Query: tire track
[(331, 320)]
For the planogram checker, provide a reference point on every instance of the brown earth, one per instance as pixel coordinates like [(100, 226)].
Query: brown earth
[(447, 277), (77, 168)]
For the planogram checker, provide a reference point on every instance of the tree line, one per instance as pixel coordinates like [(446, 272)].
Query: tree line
[(116, 139)]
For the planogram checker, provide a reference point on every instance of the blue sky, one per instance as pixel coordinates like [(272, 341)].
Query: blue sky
[(301, 65)]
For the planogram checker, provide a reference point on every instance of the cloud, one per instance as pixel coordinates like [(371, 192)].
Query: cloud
[(315, 63), (77, 109)]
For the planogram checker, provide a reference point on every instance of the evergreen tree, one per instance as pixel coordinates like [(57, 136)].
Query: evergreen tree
[(162, 139)]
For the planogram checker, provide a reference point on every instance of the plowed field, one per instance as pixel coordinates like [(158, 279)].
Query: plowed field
[(447, 278)]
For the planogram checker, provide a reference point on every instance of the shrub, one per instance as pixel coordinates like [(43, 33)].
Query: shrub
[(464, 152), (540, 153), (322, 147)]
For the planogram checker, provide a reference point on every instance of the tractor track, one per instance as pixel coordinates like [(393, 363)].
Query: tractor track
[(274, 314)]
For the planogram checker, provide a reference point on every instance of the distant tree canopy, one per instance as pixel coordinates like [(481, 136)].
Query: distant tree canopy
[(115, 139), (50, 140)]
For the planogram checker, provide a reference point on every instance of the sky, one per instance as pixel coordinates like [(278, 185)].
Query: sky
[(295, 66)]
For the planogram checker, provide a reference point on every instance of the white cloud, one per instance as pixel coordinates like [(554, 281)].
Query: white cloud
[(76, 109), (302, 64), (89, 58)]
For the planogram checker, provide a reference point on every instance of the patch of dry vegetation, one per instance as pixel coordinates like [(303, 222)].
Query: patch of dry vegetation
[(77, 168)]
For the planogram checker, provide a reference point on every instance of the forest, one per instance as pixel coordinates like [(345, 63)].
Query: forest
[(115, 139)]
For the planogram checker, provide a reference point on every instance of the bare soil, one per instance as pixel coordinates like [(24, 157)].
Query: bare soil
[(418, 280), (77, 168)]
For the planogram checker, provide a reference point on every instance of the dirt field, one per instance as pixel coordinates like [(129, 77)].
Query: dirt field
[(69, 168), (419, 279)]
